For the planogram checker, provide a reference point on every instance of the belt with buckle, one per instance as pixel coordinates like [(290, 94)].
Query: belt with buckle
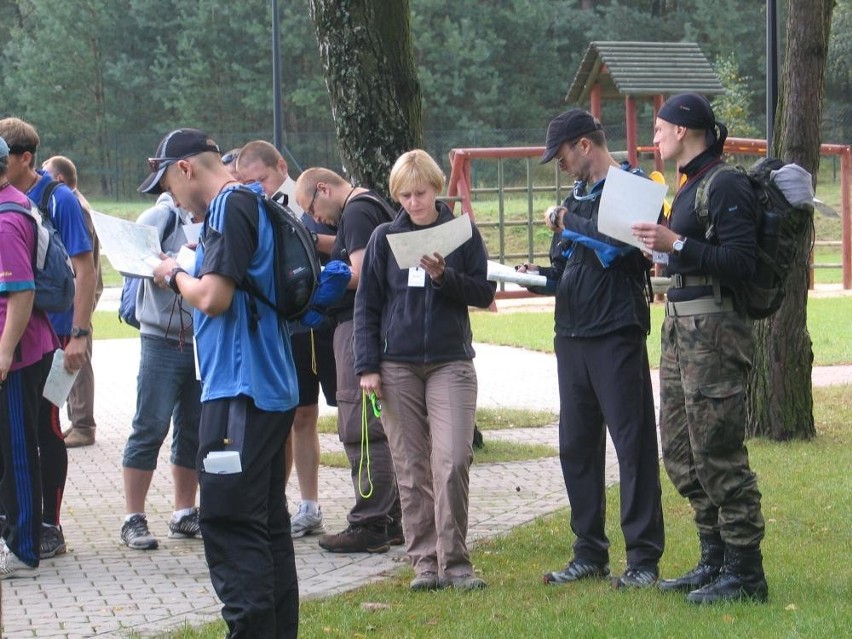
[(679, 280), (701, 306)]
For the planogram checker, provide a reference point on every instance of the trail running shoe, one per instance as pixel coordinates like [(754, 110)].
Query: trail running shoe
[(306, 522), (185, 527), (135, 533), (52, 541)]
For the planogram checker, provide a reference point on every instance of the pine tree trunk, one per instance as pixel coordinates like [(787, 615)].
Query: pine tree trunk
[(368, 58), (780, 389)]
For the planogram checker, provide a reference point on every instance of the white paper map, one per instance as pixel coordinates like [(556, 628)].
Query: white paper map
[(501, 273), (409, 247), (133, 249), (59, 381), (627, 199)]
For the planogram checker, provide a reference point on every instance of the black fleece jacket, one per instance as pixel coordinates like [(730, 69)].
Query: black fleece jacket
[(418, 324)]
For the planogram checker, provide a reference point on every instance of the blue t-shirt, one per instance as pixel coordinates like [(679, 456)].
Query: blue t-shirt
[(68, 218), (234, 358)]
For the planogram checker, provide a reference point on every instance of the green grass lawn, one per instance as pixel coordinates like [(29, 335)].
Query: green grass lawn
[(807, 507), (828, 323)]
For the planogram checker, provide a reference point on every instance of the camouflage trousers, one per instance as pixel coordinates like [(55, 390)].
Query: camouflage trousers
[(704, 369)]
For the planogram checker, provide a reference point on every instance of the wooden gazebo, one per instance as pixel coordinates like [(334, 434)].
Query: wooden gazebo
[(640, 70)]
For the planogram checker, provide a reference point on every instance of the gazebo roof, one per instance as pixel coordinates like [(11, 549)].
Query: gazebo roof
[(643, 69)]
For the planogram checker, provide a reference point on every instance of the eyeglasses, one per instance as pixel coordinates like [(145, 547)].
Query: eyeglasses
[(230, 157), (310, 209)]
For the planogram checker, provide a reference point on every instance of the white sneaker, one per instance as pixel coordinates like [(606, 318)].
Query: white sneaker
[(305, 522), (11, 566)]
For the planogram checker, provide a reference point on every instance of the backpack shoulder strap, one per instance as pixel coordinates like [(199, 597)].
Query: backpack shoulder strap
[(44, 203), (390, 214), (702, 198), (17, 208)]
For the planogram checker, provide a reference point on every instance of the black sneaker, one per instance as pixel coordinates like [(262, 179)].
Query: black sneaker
[(357, 539), (576, 570), (135, 533), (52, 541), (637, 577)]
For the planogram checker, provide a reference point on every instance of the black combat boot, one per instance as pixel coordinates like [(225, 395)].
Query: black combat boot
[(741, 578), (708, 568)]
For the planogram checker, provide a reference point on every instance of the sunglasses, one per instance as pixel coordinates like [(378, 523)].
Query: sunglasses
[(230, 157), (156, 163)]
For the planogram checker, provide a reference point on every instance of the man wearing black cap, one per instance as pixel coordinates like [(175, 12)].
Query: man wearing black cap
[(249, 387), (707, 347), (602, 320)]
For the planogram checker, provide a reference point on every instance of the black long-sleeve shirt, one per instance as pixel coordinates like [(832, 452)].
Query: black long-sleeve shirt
[(731, 255)]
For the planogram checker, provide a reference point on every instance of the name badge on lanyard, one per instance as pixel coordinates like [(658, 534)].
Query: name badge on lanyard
[(416, 277)]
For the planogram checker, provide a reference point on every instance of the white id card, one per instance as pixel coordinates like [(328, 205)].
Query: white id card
[(416, 277), (660, 258)]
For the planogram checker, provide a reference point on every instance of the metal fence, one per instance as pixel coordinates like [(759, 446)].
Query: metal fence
[(126, 167)]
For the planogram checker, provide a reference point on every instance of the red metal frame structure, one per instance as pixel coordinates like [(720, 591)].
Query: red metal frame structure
[(459, 187)]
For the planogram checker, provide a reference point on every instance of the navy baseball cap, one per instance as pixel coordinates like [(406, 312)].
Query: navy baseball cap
[(567, 126), (4, 148), (177, 145)]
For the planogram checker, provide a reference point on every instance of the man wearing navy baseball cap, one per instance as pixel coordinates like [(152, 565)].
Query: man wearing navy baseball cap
[(567, 127), (602, 317), (249, 387)]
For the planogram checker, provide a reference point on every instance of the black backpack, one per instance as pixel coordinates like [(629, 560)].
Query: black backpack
[(297, 264), (52, 269), (780, 225)]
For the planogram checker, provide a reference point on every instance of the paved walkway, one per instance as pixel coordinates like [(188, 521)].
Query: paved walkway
[(100, 588)]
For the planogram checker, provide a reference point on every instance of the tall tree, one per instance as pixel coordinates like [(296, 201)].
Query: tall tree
[(367, 55), (780, 392)]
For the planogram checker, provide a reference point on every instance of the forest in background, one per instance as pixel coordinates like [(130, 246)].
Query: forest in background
[(102, 80)]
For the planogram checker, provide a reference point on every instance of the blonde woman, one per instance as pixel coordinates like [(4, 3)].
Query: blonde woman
[(413, 349)]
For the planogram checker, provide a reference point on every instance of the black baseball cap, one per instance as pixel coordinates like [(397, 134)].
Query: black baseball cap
[(567, 126), (177, 145)]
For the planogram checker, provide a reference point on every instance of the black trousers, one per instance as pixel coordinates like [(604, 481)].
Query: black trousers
[(605, 382), (244, 520)]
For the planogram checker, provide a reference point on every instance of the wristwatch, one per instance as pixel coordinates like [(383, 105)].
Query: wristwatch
[(554, 215), (76, 331), (677, 245), (170, 280)]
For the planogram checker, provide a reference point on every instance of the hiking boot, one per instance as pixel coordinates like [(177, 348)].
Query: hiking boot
[(357, 539), (306, 522), (184, 528), (637, 577), (741, 578), (11, 567), (576, 570), (135, 533), (707, 570), (464, 583), (79, 437), (52, 541), (394, 533), (425, 581)]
